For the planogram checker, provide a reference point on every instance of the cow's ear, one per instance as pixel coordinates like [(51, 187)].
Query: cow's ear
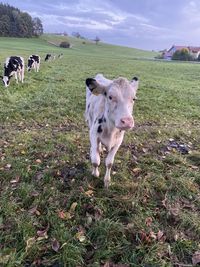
[(135, 82), (95, 87)]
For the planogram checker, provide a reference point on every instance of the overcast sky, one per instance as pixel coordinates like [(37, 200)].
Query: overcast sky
[(146, 24)]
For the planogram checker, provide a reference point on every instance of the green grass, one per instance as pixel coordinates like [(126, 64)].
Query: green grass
[(150, 214)]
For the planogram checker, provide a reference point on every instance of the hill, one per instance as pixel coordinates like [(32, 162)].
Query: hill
[(48, 43)]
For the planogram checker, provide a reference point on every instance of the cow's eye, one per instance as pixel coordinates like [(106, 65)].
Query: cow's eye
[(110, 97), (134, 99)]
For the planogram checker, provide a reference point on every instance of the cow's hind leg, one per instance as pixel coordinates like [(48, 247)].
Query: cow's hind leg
[(16, 78), (22, 74)]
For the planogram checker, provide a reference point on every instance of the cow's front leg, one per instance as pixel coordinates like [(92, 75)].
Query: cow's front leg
[(95, 154), (109, 162), (22, 75), (16, 78)]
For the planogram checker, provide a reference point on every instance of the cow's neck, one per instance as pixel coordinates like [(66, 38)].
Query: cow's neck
[(109, 132)]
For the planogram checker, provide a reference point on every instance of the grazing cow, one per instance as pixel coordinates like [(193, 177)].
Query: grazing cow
[(48, 57), (109, 106), (13, 66), (60, 55), (34, 62)]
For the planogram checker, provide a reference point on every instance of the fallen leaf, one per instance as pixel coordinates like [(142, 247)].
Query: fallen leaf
[(152, 235), (8, 166), (89, 193), (98, 213), (144, 150), (16, 180), (194, 167), (55, 245), (64, 215), (34, 193), (73, 207), (196, 258), (39, 238), (4, 259), (30, 242), (43, 233), (148, 221), (32, 210), (61, 214), (137, 171), (80, 236), (160, 234), (38, 161)]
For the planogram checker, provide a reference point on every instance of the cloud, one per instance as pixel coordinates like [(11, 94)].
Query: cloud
[(191, 12)]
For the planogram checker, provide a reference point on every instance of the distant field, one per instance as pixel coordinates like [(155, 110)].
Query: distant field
[(53, 212)]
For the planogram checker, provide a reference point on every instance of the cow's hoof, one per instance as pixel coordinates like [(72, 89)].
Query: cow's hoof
[(106, 183), (95, 172)]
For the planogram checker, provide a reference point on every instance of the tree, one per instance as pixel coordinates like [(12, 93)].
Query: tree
[(27, 25), (182, 54), (97, 40), (76, 34), (37, 27), (15, 23), (4, 25)]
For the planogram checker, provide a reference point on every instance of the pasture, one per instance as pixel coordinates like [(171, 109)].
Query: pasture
[(53, 212)]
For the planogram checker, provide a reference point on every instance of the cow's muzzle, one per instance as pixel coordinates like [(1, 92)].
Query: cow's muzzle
[(125, 123)]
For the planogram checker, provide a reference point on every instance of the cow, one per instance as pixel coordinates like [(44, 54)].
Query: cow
[(109, 107), (60, 55), (33, 63), (14, 65), (48, 57)]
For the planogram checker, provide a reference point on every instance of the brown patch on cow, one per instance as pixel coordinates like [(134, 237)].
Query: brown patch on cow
[(121, 82), (109, 166), (95, 165)]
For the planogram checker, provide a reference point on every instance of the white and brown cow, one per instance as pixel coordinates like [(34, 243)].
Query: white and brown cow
[(109, 107), (33, 63), (14, 65)]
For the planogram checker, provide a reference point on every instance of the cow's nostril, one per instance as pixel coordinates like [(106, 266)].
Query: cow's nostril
[(122, 121)]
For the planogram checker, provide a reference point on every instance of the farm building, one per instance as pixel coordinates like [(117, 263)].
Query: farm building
[(193, 50)]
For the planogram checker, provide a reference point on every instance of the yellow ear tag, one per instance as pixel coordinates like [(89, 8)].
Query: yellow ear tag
[(95, 92)]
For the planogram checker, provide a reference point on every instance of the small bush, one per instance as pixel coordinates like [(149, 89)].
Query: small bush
[(65, 44)]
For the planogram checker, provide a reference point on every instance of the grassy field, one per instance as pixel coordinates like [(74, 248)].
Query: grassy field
[(53, 212)]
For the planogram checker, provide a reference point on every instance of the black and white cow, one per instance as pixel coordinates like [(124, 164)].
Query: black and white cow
[(48, 57), (14, 65), (34, 63), (109, 106), (60, 55)]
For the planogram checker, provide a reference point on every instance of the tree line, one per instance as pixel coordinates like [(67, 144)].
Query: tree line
[(14, 23)]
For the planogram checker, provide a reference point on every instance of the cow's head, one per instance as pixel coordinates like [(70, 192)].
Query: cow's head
[(120, 95), (6, 80), (30, 64)]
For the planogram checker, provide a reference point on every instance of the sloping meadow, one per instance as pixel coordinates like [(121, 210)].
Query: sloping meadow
[(53, 212)]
